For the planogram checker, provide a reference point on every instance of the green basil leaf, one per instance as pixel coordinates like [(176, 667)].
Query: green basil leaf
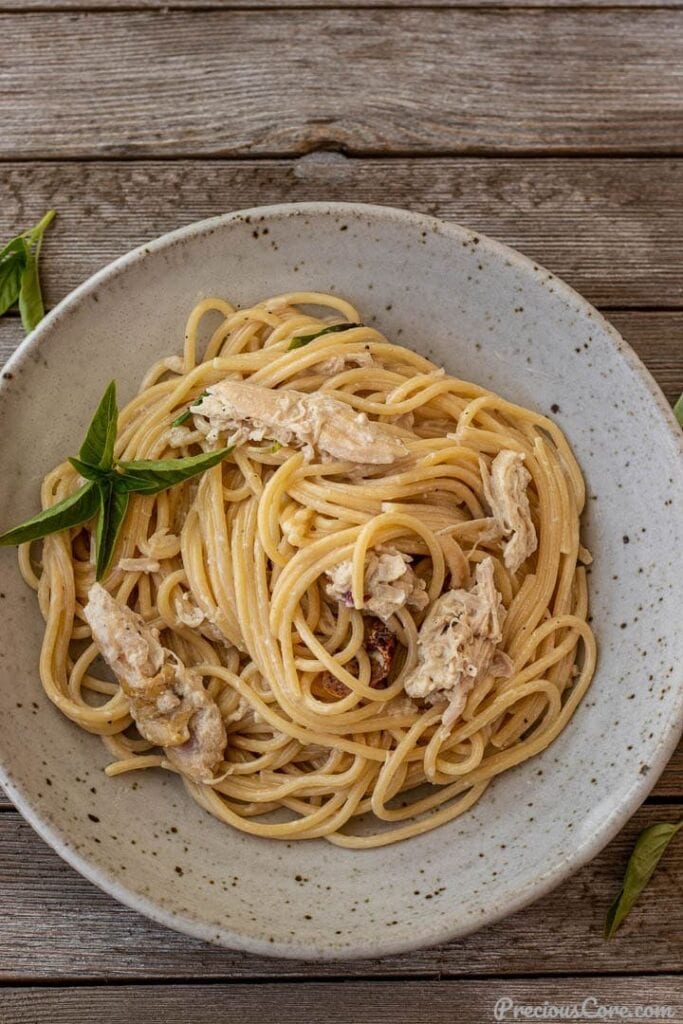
[(34, 236), (678, 410), (19, 258), (88, 471), (149, 476), (72, 511), (18, 261), (30, 297), (113, 507), (183, 418), (11, 269), (305, 339), (98, 448), (15, 245), (646, 855), (185, 415)]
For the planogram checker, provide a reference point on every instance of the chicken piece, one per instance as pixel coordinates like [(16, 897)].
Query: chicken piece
[(390, 583), (336, 364), (318, 422), (399, 706), (295, 526), (505, 490), (380, 645), (458, 644), (167, 700), (162, 544), (187, 612), (143, 564)]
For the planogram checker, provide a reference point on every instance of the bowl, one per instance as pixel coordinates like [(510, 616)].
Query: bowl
[(487, 314)]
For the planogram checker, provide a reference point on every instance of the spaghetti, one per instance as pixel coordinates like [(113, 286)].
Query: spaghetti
[(256, 576)]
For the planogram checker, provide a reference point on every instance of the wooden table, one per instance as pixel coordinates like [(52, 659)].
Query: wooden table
[(556, 128)]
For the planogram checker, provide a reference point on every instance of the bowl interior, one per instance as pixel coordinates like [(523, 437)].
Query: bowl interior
[(488, 315)]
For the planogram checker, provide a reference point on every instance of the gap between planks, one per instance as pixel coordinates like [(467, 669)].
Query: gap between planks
[(342, 151), (54, 924), (200, 6), (439, 1001), (612, 228), (335, 979), (467, 1001)]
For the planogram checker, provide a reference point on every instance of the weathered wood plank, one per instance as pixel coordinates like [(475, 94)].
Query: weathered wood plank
[(440, 1002), (368, 80), (611, 228), (54, 925), (658, 340), (128, 5)]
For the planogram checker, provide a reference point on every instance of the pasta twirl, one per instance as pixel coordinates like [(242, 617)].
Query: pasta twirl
[(257, 577)]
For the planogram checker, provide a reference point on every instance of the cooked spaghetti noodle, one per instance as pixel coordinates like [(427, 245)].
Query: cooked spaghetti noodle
[(236, 572)]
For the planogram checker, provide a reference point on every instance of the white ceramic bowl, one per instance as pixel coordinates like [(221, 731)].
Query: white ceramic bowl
[(487, 314)]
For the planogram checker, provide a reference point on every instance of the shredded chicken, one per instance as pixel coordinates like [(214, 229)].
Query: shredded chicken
[(318, 422), (295, 527), (179, 437), (162, 544), (240, 712), (187, 611), (458, 644), (390, 583), (505, 490), (167, 700), (139, 564), (190, 614), (399, 706), (338, 363)]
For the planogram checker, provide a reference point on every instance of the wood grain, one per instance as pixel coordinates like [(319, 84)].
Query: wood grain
[(54, 924), (148, 5), (511, 108), (613, 228), (440, 1002), (215, 82)]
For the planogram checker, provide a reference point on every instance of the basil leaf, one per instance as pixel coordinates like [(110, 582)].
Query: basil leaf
[(305, 339), (34, 236), (30, 297), (87, 471), (11, 270), (184, 416), (72, 511), (113, 507), (149, 476), (98, 448), (15, 245), (646, 855), (20, 258), (678, 410)]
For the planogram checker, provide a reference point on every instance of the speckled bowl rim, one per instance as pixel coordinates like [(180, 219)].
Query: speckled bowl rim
[(546, 881)]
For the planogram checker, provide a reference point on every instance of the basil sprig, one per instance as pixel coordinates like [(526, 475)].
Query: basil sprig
[(19, 280), (678, 410), (185, 415), (649, 848), (305, 339), (109, 484)]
